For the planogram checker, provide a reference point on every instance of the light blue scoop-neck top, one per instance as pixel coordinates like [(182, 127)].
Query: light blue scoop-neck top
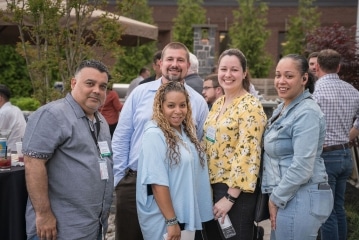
[(188, 183)]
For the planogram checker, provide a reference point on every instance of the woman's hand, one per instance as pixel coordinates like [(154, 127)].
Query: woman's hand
[(273, 209), (221, 208), (173, 232)]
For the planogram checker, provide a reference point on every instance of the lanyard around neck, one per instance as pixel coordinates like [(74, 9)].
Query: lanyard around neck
[(97, 129)]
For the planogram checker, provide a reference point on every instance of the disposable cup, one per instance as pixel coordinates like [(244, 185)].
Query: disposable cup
[(19, 151)]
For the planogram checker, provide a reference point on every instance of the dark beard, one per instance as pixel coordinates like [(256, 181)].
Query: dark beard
[(174, 79)]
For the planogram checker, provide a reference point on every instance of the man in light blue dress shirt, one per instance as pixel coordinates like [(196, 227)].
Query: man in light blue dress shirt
[(126, 142)]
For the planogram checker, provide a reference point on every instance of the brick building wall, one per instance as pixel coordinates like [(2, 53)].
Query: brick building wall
[(277, 16)]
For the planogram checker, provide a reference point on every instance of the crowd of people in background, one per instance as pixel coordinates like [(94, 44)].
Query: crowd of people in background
[(184, 153), (143, 74)]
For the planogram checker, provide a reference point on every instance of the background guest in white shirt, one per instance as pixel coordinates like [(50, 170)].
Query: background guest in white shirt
[(11, 118)]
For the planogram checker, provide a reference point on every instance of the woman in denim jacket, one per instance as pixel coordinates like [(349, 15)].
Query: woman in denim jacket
[(294, 173)]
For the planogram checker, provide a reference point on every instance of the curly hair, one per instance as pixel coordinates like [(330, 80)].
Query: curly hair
[(172, 138)]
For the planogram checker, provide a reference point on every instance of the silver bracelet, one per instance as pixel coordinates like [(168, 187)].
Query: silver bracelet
[(171, 222)]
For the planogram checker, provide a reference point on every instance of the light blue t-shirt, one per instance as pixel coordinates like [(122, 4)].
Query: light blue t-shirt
[(188, 184), (136, 112)]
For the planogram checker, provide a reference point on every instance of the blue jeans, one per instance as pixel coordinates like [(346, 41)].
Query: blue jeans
[(303, 214), (339, 167)]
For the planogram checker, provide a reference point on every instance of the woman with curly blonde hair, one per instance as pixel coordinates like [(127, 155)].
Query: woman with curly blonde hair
[(173, 190)]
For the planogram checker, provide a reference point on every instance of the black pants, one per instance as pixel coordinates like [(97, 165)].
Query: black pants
[(241, 215), (127, 225), (112, 128)]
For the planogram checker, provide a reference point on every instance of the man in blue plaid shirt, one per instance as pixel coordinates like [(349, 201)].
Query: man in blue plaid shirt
[(339, 102)]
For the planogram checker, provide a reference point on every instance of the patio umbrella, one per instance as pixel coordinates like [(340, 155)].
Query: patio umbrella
[(134, 32)]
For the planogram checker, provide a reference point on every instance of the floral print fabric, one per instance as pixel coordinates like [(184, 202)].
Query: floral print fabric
[(234, 153)]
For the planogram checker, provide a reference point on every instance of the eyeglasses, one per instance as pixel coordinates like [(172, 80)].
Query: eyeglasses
[(206, 88)]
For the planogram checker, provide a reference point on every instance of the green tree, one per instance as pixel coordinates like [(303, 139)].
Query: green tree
[(134, 58), (189, 12), (248, 33), (13, 72), (299, 26), (57, 35)]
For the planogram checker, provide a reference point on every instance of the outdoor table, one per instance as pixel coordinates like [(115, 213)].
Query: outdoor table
[(13, 197)]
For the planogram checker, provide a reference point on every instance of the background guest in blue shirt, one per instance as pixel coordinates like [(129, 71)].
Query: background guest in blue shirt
[(127, 139)]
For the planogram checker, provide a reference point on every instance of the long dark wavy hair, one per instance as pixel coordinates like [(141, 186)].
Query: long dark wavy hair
[(189, 128)]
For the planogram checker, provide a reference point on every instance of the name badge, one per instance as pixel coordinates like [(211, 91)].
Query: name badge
[(104, 149), (103, 170), (211, 134)]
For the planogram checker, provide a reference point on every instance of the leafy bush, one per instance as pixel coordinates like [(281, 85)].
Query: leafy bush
[(13, 72), (26, 103), (352, 211), (336, 37)]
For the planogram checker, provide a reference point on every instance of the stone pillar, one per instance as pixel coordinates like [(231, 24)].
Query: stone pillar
[(204, 37)]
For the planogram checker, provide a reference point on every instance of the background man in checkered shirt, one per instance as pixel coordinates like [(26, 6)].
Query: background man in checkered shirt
[(340, 103)]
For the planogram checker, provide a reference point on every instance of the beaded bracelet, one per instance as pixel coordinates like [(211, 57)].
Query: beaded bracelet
[(171, 222), (231, 198)]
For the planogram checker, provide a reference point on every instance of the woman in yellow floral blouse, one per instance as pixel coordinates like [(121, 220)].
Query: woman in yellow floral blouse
[(232, 137)]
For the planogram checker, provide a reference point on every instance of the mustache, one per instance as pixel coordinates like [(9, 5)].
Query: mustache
[(175, 68), (96, 97)]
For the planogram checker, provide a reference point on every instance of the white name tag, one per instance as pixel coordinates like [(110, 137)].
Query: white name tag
[(104, 149), (211, 134), (103, 170)]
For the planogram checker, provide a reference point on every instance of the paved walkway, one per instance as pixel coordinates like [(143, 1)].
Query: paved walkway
[(266, 225)]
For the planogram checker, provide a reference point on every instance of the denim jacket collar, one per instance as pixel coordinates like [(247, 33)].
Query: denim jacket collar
[(301, 97)]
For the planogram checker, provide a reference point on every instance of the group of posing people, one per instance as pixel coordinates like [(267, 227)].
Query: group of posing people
[(178, 166)]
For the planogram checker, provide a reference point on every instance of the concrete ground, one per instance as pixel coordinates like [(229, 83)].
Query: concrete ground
[(266, 225)]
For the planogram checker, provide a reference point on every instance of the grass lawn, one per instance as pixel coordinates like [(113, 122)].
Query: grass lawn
[(352, 209)]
